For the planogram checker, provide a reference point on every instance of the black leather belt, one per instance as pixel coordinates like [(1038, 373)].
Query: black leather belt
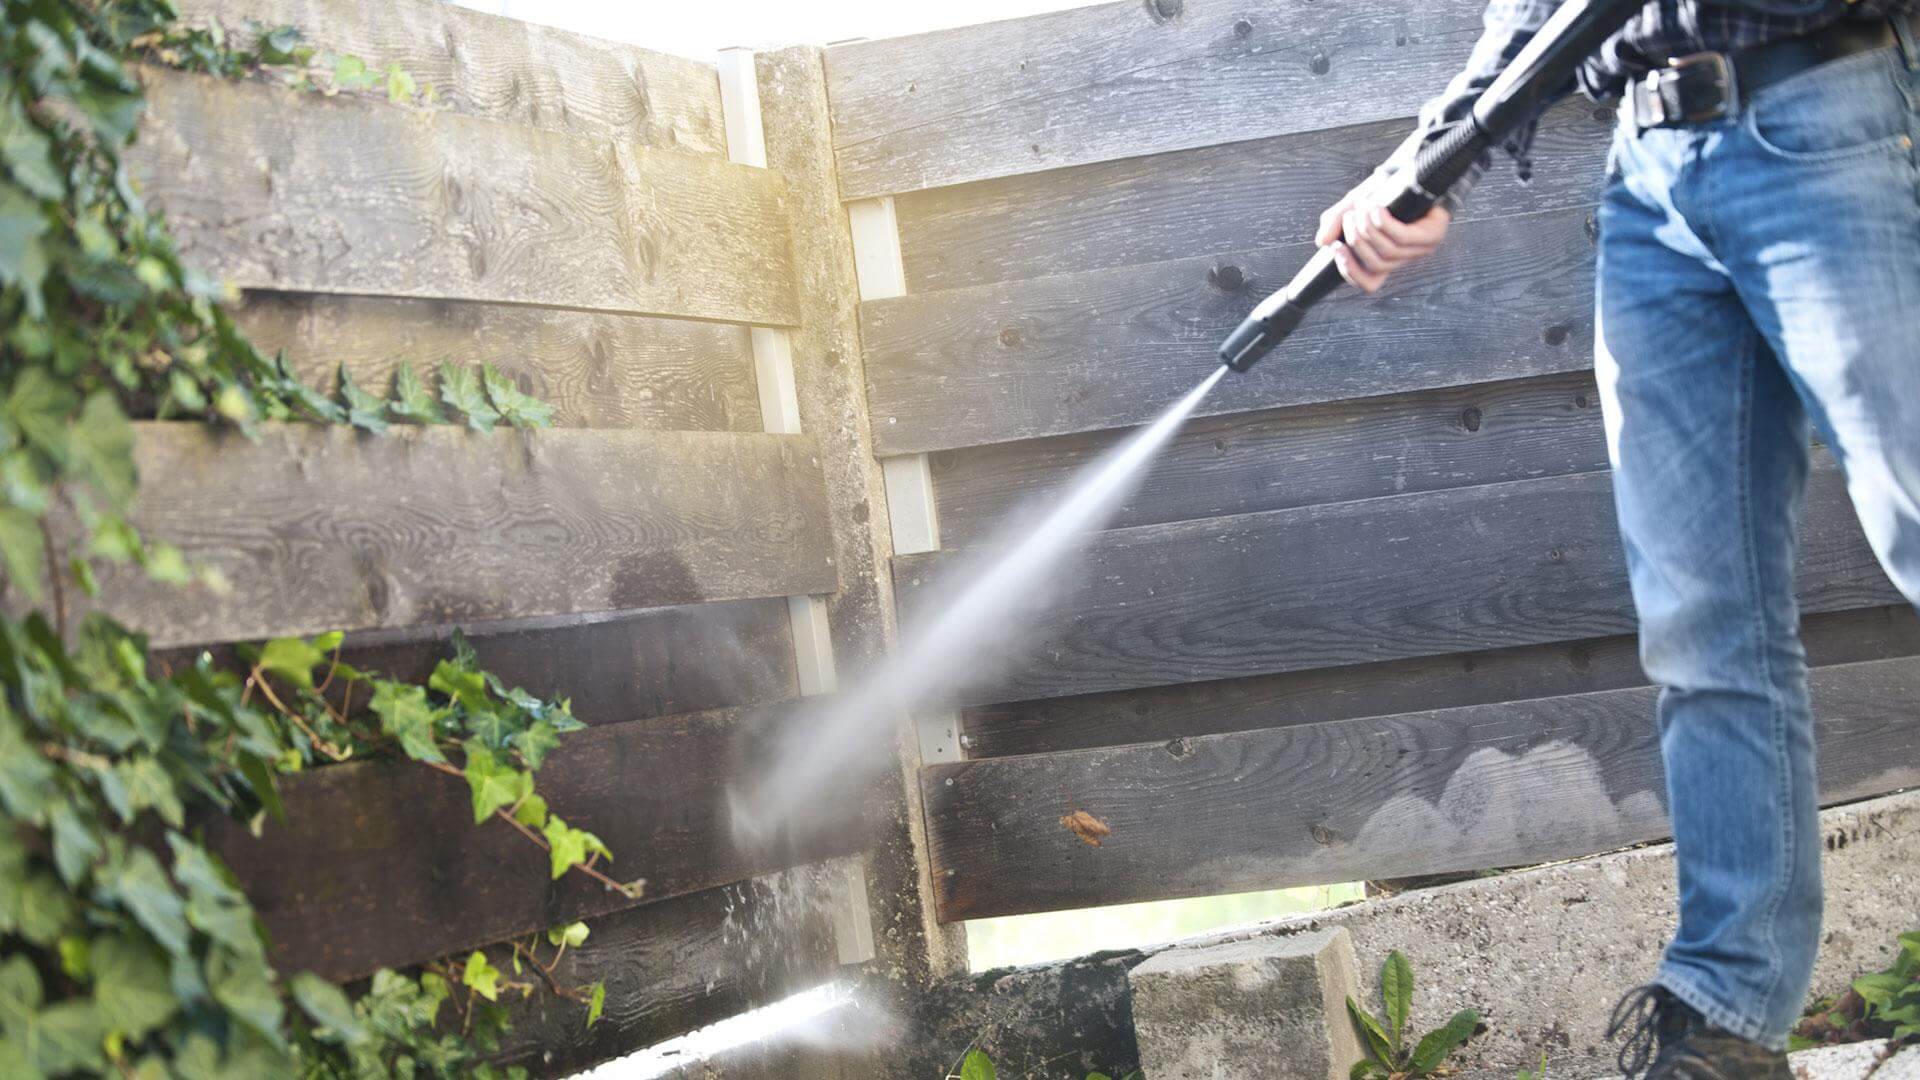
[(1709, 85)]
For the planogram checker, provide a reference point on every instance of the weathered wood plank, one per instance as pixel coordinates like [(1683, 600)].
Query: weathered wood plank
[(324, 528), (629, 665), (1506, 298), (505, 69), (380, 863), (681, 964), (1229, 197), (276, 189), (1524, 562), (832, 403), (596, 370), (1455, 789), (1249, 462), (1125, 79), (1162, 713)]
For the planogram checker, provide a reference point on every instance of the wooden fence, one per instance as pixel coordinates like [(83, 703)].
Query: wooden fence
[(686, 551), (1367, 618), (812, 323)]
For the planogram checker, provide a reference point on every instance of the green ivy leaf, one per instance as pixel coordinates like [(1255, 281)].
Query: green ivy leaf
[(23, 550), (1433, 1049), (76, 842), (481, 977), (977, 1066), (28, 154), (364, 410), (1878, 990), (568, 845), (411, 401), (131, 987), (537, 742), (23, 261), (573, 935), (328, 1007), (102, 449), (350, 73), (460, 388), (138, 882), (461, 684), (493, 784), (41, 410), (405, 715), (148, 787), (245, 987), (532, 812), (520, 410), (597, 1003), (292, 659), (400, 85), (36, 907), (66, 1037)]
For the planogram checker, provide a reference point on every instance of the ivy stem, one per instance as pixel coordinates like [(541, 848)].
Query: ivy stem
[(257, 678), (546, 974), (58, 575), (622, 888)]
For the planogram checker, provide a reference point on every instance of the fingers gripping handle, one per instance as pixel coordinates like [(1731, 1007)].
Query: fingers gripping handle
[(1440, 164)]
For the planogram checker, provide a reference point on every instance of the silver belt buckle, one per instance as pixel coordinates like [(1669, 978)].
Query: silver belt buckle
[(1723, 70)]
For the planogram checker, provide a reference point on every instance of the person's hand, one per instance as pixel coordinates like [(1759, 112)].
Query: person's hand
[(1369, 243)]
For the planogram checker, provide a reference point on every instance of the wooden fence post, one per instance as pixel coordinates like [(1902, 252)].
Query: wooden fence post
[(830, 397)]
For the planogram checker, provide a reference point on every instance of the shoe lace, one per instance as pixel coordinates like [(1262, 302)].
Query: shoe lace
[(1644, 1015)]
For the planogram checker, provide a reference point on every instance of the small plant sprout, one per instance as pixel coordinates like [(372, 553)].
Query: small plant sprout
[(1535, 1074), (1386, 1042)]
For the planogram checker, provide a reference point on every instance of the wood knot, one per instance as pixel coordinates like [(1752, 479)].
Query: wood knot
[(1603, 114), (1320, 65), (1557, 333), (1227, 278), (1162, 10), (1323, 836), (1242, 28), (1580, 401), (1010, 337), (1470, 419), (1179, 748)]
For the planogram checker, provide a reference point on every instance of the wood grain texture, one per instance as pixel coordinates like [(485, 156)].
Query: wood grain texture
[(596, 370), (1129, 78), (1506, 298), (380, 863), (831, 395), (276, 189), (1250, 462), (1230, 197), (505, 69), (1453, 789), (1161, 713), (325, 528), (681, 964), (1519, 563)]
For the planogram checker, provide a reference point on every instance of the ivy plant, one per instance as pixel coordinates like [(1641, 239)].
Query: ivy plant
[(126, 946), (1881, 1005), (1385, 1041)]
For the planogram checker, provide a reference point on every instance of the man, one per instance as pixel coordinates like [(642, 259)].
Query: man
[(1759, 270)]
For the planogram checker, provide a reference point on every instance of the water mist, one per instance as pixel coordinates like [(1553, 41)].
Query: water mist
[(968, 628)]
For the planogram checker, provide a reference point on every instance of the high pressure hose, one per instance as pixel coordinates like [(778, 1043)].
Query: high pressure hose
[(1574, 32)]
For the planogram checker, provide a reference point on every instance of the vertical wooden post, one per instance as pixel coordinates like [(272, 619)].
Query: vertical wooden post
[(912, 946)]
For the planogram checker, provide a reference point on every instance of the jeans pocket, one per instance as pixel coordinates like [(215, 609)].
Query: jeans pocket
[(1843, 108)]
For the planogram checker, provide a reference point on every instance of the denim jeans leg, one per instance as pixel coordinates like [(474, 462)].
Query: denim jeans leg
[(1708, 444)]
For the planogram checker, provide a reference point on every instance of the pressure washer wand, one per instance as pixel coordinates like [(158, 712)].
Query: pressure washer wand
[(1545, 64)]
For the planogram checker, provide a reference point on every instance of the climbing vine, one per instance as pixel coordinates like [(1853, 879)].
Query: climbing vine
[(126, 947)]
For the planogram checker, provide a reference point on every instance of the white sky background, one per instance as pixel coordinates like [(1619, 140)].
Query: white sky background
[(701, 28)]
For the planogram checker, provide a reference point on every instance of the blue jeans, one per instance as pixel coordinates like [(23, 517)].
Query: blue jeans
[(1757, 274)]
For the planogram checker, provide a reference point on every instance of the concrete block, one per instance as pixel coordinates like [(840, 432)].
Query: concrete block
[(1850, 1062), (1272, 1007), (1902, 1066)]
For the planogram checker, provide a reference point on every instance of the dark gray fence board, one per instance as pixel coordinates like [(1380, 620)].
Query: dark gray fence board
[(1165, 713), (380, 864), (1123, 79), (1249, 462), (597, 370), (278, 189), (678, 965), (320, 528), (1524, 562), (1507, 298), (505, 69), (1231, 197), (1456, 789)]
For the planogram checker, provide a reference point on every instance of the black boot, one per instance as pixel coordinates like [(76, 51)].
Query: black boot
[(1667, 1040)]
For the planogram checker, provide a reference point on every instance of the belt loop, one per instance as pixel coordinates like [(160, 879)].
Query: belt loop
[(1909, 50)]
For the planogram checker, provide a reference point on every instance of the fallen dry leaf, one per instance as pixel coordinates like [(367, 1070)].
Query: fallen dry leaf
[(1087, 827)]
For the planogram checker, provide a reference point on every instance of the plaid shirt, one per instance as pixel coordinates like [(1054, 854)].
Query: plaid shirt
[(1662, 30)]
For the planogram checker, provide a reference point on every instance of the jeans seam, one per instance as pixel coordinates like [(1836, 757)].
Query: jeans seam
[(1750, 359), (1718, 1014)]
